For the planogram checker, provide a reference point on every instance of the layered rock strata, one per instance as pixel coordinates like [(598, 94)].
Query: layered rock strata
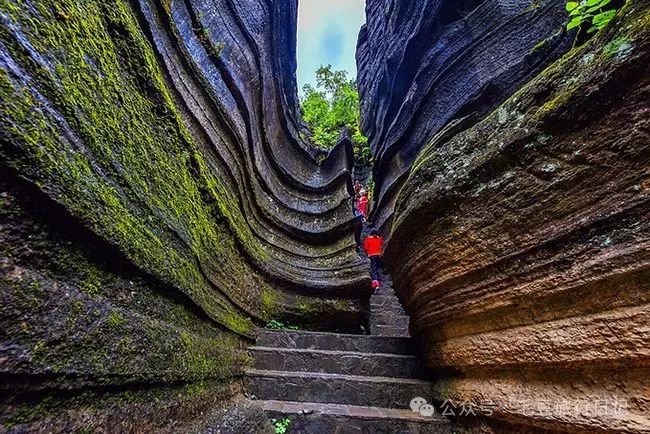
[(157, 203), (425, 65), (520, 246)]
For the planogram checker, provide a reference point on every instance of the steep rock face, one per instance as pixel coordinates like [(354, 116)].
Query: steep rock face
[(157, 203), (520, 246), (423, 64)]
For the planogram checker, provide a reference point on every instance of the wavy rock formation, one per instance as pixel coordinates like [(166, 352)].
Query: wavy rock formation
[(425, 64), (157, 202), (520, 246)]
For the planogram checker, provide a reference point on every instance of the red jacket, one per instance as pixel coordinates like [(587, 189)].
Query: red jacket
[(362, 205), (373, 244)]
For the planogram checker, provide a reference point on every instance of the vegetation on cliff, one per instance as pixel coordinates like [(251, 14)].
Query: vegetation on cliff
[(156, 203), (331, 106), (596, 13)]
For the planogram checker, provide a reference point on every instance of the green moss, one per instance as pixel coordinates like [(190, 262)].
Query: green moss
[(160, 405), (29, 295), (167, 6), (239, 324), (341, 304), (570, 71), (534, 5), (133, 182), (217, 48), (115, 320), (78, 307), (620, 47), (196, 389), (269, 302), (126, 346), (24, 414), (92, 284), (560, 98), (38, 351), (202, 357), (541, 44), (309, 306)]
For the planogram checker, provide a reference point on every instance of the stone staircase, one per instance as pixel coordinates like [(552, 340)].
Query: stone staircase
[(387, 317), (337, 383)]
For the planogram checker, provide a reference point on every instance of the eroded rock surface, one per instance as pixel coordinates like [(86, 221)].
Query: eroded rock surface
[(424, 64), (520, 246), (157, 204)]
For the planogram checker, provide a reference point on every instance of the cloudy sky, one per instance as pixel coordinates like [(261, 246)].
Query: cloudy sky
[(327, 34)]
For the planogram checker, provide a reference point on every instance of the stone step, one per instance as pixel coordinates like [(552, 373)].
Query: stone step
[(389, 319), (391, 308), (334, 342), (336, 388), (389, 331), (384, 290), (383, 300), (337, 362), (318, 418)]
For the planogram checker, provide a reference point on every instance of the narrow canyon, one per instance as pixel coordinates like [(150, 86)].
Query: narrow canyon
[(160, 203)]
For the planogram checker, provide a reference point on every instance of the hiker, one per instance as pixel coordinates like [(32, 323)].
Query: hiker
[(362, 205), (357, 187), (373, 245)]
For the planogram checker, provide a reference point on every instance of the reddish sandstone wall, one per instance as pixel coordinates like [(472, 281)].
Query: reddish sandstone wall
[(520, 246)]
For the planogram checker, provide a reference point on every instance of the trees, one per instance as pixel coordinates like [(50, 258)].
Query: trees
[(332, 105)]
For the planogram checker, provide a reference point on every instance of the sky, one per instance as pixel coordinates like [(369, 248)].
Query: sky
[(327, 34)]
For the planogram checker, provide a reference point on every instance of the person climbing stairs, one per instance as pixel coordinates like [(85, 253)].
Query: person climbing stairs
[(373, 246), (387, 317)]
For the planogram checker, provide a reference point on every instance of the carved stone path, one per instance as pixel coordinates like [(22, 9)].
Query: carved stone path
[(337, 383), (387, 317)]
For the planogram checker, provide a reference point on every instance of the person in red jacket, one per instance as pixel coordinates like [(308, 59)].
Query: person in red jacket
[(362, 205), (373, 245)]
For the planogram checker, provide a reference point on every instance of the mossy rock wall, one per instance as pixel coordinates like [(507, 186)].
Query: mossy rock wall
[(157, 203)]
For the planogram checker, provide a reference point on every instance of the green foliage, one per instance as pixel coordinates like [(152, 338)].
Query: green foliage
[(281, 426), (590, 12), (370, 187), (115, 319), (279, 325), (331, 106)]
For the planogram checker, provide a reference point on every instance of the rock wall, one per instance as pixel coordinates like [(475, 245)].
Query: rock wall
[(520, 246), (426, 65), (157, 204)]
